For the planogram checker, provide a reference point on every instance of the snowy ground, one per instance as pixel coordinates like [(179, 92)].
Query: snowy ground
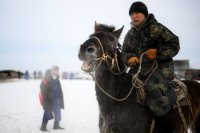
[(21, 112)]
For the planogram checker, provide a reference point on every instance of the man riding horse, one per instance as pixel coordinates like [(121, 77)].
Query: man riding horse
[(159, 44)]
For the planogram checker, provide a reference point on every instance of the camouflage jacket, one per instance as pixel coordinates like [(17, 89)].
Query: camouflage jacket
[(151, 35)]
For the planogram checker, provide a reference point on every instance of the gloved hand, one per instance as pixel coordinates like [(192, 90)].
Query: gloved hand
[(133, 60), (151, 53)]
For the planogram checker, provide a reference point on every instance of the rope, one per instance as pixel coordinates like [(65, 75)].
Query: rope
[(140, 85), (152, 125), (153, 69), (112, 97), (136, 82), (182, 117)]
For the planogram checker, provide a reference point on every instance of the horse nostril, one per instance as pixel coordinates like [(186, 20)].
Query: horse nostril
[(90, 50)]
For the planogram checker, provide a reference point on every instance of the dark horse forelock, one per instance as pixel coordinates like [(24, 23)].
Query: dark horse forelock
[(102, 27)]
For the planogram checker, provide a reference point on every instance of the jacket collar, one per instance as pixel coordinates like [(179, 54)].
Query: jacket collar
[(150, 19)]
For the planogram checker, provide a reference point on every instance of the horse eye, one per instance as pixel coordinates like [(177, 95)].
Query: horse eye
[(111, 38), (90, 49)]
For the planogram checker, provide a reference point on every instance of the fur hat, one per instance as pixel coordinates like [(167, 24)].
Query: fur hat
[(138, 7)]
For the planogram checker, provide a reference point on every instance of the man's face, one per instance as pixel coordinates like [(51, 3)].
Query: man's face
[(137, 19)]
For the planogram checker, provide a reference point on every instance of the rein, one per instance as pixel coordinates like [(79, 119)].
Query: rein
[(136, 82)]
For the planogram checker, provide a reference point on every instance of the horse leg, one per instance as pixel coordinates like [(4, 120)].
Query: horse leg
[(197, 125), (195, 128), (193, 95), (102, 126)]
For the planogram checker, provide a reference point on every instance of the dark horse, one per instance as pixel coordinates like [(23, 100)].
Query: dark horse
[(120, 111)]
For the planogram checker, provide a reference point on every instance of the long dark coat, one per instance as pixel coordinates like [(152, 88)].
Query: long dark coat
[(47, 88), (153, 35)]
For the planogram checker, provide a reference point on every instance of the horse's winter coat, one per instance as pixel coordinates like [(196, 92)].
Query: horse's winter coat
[(101, 54)]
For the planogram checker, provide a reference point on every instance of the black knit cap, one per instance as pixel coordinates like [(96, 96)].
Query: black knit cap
[(138, 7)]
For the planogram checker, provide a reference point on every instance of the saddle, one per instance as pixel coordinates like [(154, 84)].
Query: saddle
[(182, 99), (177, 93), (181, 93)]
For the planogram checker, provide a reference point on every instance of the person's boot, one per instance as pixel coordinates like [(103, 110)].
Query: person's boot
[(166, 123), (43, 127), (57, 126)]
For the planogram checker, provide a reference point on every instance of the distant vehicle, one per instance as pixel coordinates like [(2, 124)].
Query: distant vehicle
[(192, 74)]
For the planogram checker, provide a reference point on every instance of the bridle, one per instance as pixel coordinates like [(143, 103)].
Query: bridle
[(105, 57)]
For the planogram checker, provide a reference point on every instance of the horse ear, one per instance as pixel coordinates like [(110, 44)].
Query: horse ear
[(118, 32), (95, 26)]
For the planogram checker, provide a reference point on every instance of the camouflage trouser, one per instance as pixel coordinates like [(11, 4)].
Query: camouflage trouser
[(155, 89)]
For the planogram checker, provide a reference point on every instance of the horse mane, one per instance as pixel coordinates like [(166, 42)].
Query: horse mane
[(104, 27)]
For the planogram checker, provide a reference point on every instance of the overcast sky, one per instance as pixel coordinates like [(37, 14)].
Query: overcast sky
[(35, 34)]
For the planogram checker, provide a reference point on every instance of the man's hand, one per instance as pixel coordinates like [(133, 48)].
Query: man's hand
[(133, 61), (151, 54)]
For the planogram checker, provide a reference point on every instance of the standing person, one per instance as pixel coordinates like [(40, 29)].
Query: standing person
[(26, 75), (158, 43), (35, 75), (53, 98)]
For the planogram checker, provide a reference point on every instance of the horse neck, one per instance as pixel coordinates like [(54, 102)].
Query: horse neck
[(104, 73), (116, 85)]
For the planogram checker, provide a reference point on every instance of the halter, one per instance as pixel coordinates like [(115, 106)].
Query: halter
[(105, 57)]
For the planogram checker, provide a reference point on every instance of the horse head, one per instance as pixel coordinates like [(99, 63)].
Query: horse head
[(102, 45)]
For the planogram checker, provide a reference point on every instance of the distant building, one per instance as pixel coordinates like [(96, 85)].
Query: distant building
[(192, 74), (8, 74), (180, 67)]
